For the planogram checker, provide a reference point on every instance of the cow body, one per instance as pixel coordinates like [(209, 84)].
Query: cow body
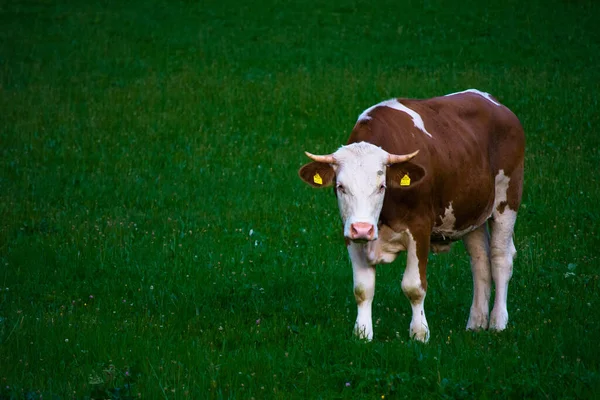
[(468, 174)]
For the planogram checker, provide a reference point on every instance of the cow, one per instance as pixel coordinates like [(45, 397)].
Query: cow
[(417, 175)]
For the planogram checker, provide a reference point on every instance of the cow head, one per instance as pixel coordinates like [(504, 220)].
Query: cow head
[(358, 171)]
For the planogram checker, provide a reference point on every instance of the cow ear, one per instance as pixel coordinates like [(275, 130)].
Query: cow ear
[(317, 174), (405, 175)]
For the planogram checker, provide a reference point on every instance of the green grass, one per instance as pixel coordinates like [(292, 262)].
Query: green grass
[(155, 240)]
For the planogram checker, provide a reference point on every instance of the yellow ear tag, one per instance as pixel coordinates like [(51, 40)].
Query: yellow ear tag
[(317, 179), (405, 181)]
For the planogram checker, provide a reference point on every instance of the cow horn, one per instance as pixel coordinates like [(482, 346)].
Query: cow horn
[(328, 159), (395, 158)]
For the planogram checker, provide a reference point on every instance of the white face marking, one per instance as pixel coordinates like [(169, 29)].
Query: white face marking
[(396, 105), (360, 180), (447, 227), (485, 95)]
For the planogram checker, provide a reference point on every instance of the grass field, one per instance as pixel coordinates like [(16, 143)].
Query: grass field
[(156, 242)]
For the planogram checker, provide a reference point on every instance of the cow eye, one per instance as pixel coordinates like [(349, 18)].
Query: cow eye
[(340, 188)]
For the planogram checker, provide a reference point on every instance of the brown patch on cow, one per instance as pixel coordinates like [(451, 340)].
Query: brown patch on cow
[(423, 273), (414, 295), (501, 206), (423, 244), (359, 295), (515, 186)]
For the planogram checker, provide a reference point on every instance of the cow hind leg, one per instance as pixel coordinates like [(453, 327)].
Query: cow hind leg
[(502, 254), (477, 244)]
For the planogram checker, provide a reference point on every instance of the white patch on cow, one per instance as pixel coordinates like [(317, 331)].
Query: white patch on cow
[(413, 289), (360, 172), (385, 249), (448, 221), (501, 184), (502, 251), (477, 244), (364, 290), (447, 228), (485, 95), (396, 105)]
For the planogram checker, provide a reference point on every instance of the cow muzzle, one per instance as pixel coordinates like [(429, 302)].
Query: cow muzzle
[(362, 231)]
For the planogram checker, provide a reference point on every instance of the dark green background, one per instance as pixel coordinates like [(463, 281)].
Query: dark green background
[(155, 240)]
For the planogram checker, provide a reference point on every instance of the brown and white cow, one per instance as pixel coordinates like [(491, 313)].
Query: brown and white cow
[(417, 175)]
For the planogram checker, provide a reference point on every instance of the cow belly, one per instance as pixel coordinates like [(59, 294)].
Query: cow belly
[(447, 228), (441, 235), (440, 246)]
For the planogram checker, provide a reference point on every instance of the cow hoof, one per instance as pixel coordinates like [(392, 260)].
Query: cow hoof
[(422, 335), (363, 333), (499, 320), (477, 321)]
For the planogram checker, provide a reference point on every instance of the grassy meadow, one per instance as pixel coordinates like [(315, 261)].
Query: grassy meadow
[(156, 242)]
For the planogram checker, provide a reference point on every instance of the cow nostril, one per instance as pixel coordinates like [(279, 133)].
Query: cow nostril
[(362, 230)]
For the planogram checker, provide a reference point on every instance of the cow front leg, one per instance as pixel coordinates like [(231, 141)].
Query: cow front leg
[(364, 289), (477, 244), (414, 284)]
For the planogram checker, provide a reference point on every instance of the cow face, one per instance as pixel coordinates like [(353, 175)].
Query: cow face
[(358, 172)]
